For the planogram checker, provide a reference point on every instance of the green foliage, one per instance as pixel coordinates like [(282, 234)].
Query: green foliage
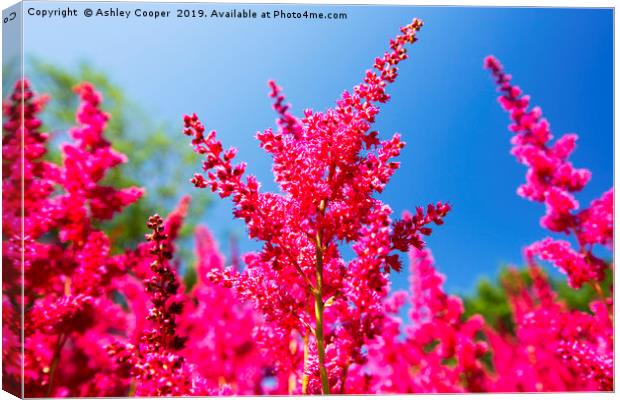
[(11, 72), (154, 159), (190, 278), (490, 301)]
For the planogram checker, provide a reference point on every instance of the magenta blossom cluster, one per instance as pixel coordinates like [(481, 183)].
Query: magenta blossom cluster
[(312, 311), (153, 363), (96, 323), (552, 179), (553, 348), (328, 166), (68, 270), (437, 351), (584, 341)]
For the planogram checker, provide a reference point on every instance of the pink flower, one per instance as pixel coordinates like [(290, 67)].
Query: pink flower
[(68, 269), (550, 179), (597, 221), (592, 364), (153, 361), (555, 346), (329, 165), (560, 253)]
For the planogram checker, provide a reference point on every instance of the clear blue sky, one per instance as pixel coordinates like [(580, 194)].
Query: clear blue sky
[(443, 103)]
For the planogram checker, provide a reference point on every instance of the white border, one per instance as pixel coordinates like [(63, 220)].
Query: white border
[(504, 3)]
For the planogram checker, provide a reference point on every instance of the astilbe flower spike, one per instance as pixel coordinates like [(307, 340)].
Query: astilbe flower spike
[(584, 347), (35, 184), (76, 290), (553, 348), (220, 329), (551, 178), (67, 266), (328, 165), (154, 363), (300, 318), (156, 355), (440, 351)]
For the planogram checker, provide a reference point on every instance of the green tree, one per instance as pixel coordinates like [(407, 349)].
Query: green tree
[(155, 161)]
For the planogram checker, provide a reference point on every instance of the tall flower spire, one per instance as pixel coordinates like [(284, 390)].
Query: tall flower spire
[(552, 180), (329, 165), (584, 346)]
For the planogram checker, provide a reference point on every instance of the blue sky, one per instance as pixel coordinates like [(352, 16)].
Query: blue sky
[(444, 103)]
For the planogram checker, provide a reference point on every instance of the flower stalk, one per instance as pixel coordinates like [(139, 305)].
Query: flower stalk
[(305, 377), (62, 338), (319, 307)]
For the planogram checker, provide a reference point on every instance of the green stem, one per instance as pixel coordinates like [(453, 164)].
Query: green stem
[(319, 306), (320, 342), (132, 388), (305, 377), (599, 291), (62, 338)]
